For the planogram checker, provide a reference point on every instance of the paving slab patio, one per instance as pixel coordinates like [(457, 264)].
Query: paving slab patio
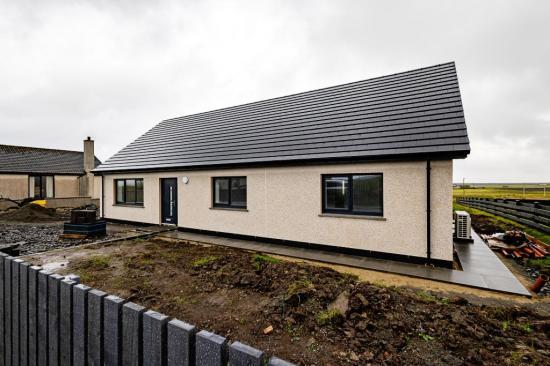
[(482, 269)]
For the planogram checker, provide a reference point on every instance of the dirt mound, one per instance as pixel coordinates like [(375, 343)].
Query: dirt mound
[(487, 225), (314, 315), (31, 213)]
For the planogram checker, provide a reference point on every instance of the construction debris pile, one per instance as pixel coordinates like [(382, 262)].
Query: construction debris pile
[(515, 244), (525, 250)]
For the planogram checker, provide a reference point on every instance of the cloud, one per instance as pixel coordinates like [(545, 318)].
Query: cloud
[(113, 69)]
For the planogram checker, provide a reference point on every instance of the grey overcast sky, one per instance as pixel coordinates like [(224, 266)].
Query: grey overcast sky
[(113, 69)]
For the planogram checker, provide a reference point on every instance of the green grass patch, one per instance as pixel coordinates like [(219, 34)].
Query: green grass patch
[(204, 261), (535, 192), (259, 259), (426, 337), (329, 317), (299, 286), (540, 264), (505, 325), (427, 297), (526, 328), (96, 262)]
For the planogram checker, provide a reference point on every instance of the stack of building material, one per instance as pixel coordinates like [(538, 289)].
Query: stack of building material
[(516, 244)]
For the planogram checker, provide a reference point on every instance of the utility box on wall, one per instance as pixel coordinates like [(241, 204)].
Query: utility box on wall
[(463, 225)]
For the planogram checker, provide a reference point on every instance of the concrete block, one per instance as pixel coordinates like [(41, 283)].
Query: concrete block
[(80, 324), (54, 282), (2, 307), (33, 315), (24, 313), (73, 277), (7, 309), (15, 311), (274, 361), (95, 327), (210, 349), (242, 354), (154, 338), (132, 327), (42, 334), (112, 330), (180, 343), (66, 322)]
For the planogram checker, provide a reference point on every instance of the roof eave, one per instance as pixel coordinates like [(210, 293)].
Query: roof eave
[(459, 154)]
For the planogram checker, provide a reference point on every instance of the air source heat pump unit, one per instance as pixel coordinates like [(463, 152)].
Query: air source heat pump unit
[(463, 225)]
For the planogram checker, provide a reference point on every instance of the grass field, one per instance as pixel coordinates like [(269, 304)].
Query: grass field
[(515, 191)]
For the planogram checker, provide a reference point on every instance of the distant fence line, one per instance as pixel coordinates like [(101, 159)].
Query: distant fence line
[(531, 213), (48, 319)]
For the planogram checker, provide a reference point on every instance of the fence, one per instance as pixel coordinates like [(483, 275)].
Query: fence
[(531, 213), (47, 319)]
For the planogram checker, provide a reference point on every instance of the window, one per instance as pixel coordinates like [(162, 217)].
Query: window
[(229, 192), (129, 191), (353, 194), (41, 186)]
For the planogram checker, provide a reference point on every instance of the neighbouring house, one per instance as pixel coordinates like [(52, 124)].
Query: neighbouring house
[(364, 167), (31, 172)]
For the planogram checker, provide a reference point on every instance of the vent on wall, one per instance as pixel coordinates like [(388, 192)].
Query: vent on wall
[(463, 225)]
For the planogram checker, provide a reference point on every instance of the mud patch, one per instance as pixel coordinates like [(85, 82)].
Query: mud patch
[(237, 295)]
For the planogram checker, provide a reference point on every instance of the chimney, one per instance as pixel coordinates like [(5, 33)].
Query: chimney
[(89, 157)]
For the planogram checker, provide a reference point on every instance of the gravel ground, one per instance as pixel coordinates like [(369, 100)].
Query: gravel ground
[(37, 237)]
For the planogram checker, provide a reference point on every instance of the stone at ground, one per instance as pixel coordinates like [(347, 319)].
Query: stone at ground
[(37, 237), (341, 304)]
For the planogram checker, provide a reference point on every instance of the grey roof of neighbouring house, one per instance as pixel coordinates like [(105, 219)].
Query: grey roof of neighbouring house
[(417, 112), (34, 160)]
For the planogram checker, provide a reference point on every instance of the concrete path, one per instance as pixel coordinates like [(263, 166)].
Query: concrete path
[(482, 268)]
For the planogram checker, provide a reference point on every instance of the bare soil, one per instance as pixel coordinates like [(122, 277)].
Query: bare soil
[(31, 214), (319, 316), (486, 225)]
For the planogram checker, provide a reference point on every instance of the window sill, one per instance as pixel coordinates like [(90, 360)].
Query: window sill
[(344, 216), (125, 205), (229, 209)]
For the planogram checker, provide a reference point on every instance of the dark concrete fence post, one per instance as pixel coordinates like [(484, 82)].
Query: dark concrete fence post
[(181, 343), (24, 313), (242, 354), (154, 338), (112, 330), (132, 341), (210, 350), (95, 327), (54, 282), (80, 324), (3, 298), (42, 337), (15, 311), (66, 322), (7, 310), (33, 315)]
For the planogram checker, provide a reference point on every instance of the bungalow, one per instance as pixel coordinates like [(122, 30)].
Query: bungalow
[(364, 167), (31, 172)]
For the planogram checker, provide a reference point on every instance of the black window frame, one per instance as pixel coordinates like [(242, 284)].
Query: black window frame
[(349, 209), (229, 204), (42, 178), (124, 191)]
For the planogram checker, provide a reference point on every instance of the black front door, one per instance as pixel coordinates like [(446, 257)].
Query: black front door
[(169, 200)]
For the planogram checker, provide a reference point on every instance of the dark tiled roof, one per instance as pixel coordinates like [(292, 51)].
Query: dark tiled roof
[(414, 112), (21, 159)]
